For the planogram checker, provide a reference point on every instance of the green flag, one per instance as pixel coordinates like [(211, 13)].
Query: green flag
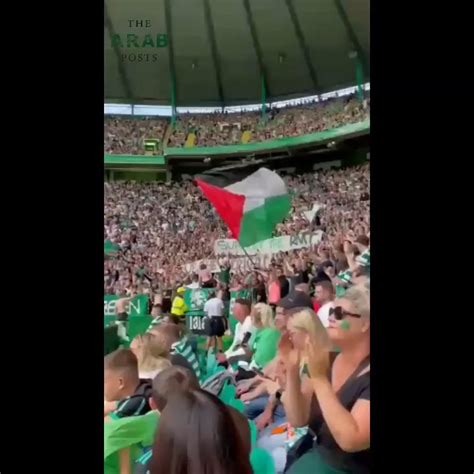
[(110, 248)]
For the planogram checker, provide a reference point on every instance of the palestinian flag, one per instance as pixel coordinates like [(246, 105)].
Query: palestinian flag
[(252, 207)]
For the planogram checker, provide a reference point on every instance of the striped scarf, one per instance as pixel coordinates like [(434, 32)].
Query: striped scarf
[(184, 348)]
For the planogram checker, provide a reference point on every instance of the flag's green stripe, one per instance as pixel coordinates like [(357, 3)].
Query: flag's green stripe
[(259, 224)]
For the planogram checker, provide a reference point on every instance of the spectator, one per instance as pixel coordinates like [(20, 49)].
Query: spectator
[(205, 277), (168, 339), (148, 365), (195, 282), (274, 289), (284, 283), (167, 385), (179, 308), (324, 293), (265, 344), (325, 272), (254, 391), (362, 244), (215, 321), (243, 332), (212, 446), (303, 325), (337, 408), (125, 394)]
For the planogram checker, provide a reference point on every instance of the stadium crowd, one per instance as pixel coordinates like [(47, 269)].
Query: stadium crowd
[(291, 393), (126, 136), (288, 389), (152, 225)]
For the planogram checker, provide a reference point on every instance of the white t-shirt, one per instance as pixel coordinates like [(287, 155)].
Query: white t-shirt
[(193, 286), (323, 313), (214, 307), (240, 330)]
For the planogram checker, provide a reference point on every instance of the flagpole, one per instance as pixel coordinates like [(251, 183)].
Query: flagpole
[(245, 252)]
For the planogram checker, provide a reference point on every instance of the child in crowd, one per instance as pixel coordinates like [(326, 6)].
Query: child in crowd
[(125, 394)]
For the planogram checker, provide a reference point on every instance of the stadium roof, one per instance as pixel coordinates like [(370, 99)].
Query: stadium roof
[(230, 52)]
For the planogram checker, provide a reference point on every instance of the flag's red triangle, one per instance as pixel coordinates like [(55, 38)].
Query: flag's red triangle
[(228, 205)]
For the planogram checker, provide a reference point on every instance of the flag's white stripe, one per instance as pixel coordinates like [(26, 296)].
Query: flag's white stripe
[(257, 187)]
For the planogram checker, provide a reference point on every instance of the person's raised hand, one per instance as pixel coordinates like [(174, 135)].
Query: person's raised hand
[(289, 355), (272, 386), (317, 359)]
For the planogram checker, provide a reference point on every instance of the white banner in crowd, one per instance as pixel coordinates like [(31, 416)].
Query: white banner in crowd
[(284, 243), (262, 253)]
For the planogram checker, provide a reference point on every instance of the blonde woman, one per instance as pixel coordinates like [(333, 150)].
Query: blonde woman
[(303, 326), (335, 402), (267, 337), (150, 360)]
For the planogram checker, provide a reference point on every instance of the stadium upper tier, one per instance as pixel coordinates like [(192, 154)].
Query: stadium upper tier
[(128, 135), (223, 53)]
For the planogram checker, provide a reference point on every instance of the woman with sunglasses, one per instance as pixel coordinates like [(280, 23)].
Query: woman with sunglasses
[(334, 403)]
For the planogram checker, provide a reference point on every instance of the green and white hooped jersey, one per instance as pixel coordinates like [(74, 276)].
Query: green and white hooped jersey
[(345, 276), (364, 259)]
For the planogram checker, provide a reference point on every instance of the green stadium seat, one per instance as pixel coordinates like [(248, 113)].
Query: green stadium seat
[(239, 405), (228, 394), (253, 432), (262, 462), (212, 364)]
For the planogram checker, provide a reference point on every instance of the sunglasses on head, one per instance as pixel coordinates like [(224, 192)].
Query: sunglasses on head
[(339, 313)]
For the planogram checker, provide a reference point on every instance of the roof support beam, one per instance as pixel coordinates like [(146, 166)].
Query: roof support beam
[(121, 67), (171, 64), (256, 45), (211, 36), (303, 46), (351, 35)]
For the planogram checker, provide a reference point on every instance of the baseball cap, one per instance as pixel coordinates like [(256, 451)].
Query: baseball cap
[(296, 299)]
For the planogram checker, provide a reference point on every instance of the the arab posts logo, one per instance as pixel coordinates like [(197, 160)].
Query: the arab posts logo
[(139, 43)]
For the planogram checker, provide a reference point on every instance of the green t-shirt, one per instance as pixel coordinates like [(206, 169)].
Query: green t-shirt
[(133, 431), (224, 276), (265, 346)]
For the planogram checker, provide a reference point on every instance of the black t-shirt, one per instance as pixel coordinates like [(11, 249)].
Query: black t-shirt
[(137, 404), (320, 276), (178, 359), (166, 303), (300, 277), (284, 286), (354, 389), (260, 293)]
